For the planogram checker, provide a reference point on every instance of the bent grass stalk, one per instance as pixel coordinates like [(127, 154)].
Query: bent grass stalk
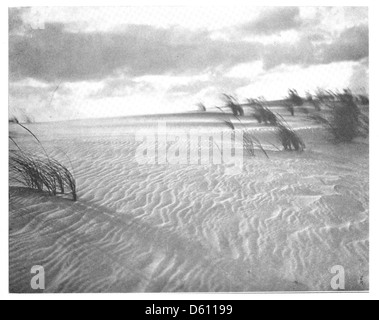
[(41, 173), (343, 118), (289, 139), (249, 140)]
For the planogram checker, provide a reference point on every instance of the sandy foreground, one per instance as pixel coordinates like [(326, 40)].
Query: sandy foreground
[(282, 224)]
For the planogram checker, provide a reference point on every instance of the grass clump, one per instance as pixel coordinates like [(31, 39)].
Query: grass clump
[(232, 103), (363, 100), (343, 117), (41, 172), (201, 107), (289, 139), (290, 108), (263, 114), (295, 98), (250, 142)]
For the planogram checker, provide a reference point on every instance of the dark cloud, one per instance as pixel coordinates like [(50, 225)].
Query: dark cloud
[(15, 20), (351, 45), (274, 20), (299, 53), (56, 54), (316, 37)]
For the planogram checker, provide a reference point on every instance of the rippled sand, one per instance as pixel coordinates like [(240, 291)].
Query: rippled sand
[(280, 225)]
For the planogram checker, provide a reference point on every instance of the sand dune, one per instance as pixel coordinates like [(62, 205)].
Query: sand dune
[(280, 225)]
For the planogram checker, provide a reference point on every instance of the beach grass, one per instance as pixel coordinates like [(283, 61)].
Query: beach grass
[(232, 103), (342, 117), (263, 114), (289, 139), (40, 172), (250, 142), (295, 98)]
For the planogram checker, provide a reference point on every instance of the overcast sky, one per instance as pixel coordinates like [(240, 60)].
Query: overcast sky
[(110, 62)]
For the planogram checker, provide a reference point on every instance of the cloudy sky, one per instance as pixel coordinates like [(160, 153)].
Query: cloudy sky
[(70, 63)]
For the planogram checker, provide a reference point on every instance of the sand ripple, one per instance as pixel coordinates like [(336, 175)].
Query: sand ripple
[(281, 225)]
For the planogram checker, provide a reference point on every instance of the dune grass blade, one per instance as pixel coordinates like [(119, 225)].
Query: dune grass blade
[(289, 139), (249, 140), (264, 115), (230, 124), (202, 107), (232, 103), (343, 118), (295, 98), (41, 173)]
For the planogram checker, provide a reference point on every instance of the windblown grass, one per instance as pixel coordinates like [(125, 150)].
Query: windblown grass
[(343, 118), (13, 120), (202, 107), (41, 172), (232, 103), (250, 142), (289, 139), (290, 108), (363, 100), (263, 114), (325, 96), (295, 98)]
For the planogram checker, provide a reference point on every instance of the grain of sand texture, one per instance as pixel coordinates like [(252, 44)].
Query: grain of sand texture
[(280, 225)]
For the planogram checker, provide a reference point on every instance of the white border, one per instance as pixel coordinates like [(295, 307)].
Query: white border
[(374, 174)]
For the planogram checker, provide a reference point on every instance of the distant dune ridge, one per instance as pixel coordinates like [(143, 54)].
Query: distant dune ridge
[(279, 225)]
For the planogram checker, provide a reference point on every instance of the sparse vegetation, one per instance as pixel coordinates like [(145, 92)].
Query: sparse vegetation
[(22, 118), (232, 103), (13, 120), (324, 96), (295, 98), (308, 96), (262, 114), (202, 107), (291, 109), (363, 100), (250, 142), (342, 117), (289, 139), (40, 172)]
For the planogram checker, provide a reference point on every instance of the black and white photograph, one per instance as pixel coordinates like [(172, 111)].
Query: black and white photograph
[(188, 149)]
